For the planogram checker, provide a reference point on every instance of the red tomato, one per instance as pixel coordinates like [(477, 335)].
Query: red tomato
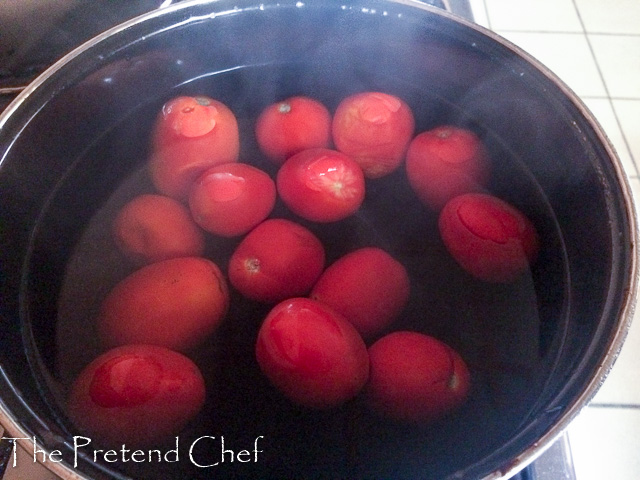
[(415, 378), (321, 185), (488, 237), (276, 260), (175, 303), (136, 395), (191, 134), (374, 129), (295, 124), (151, 228), (232, 198), (367, 286), (311, 354), (445, 162)]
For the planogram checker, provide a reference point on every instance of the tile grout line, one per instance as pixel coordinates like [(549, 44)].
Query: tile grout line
[(486, 13), (606, 88), (568, 32), (617, 406), (605, 97)]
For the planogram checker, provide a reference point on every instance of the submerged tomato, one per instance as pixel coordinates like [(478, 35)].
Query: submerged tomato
[(136, 395), (151, 228), (445, 162), (175, 303), (488, 237), (321, 185), (292, 125), (415, 377), (375, 129), (190, 135), (367, 286), (311, 354), (276, 260), (232, 198)]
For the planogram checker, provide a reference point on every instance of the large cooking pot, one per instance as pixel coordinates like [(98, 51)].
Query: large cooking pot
[(73, 148)]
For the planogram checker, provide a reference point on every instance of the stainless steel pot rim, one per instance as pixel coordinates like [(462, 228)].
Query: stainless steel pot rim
[(12, 425)]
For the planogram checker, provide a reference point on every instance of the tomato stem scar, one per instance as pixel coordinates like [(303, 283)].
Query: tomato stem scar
[(202, 101), (252, 265), (444, 133), (284, 107)]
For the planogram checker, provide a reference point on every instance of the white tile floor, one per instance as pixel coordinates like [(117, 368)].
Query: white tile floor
[(594, 47)]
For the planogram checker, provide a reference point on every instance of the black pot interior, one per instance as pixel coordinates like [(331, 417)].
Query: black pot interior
[(75, 151)]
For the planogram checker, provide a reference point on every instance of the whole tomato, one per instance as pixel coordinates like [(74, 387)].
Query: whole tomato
[(176, 303), (313, 355), (374, 128), (276, 260), (138, 395), (151, 228), (445, 162), (232, 198), (415, 378), (287, 127), (488, 237), (367, 286), (191, 134), (321, 185)]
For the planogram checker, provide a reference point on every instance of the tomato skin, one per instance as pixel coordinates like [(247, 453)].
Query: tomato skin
[(276, 260), (415, 378), (138, 395), (321, 185), (488, 237), (175, 303), (292, 125), (232, 198), (375, 129), (445, 162), (190, 135), (151, 228), (313, 355), (367, 286)]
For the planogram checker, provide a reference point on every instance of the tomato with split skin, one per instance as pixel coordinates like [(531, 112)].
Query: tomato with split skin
[(375, 129), (312, 354), (415, 378), (232, 198), (138, 395), (321, 185), (190, 135), (287, 127), (152, 228), (488, 237), (276, 260)]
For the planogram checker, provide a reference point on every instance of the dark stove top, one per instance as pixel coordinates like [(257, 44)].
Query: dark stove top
[(31, 40)]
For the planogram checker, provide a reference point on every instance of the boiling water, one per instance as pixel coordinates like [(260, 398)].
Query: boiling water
[(506, 333)]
